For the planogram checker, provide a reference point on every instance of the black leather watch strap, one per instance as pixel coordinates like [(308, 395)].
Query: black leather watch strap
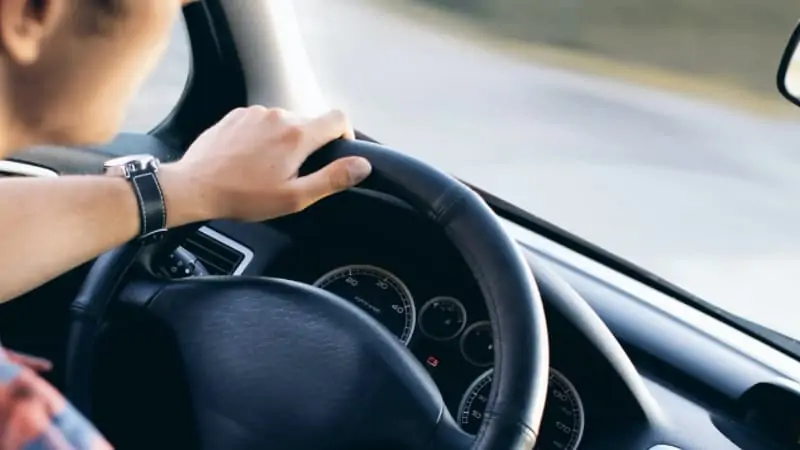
[(141, 171), (153, 212)]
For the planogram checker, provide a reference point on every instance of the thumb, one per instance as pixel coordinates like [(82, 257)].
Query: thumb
[(337, 176)]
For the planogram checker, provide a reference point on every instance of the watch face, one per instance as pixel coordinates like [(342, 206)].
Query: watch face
[(123, 160), (140, 161)]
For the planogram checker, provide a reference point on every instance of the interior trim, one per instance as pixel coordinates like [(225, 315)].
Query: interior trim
[(215, 84), (277, 70), (720, 331), (247, 253), (26, 170)]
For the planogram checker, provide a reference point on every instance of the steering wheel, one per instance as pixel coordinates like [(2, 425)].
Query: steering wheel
[(318, 371)]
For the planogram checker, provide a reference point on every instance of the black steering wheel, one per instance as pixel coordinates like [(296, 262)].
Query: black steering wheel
[(344, 381)]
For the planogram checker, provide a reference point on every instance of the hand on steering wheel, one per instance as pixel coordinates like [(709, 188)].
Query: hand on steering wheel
[(245, 167), (319, 372)]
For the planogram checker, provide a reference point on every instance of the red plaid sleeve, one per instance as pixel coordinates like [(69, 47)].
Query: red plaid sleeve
[(35, 416)]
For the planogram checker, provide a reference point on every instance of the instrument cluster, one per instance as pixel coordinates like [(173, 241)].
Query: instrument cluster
[(453, 340), (387, 298)]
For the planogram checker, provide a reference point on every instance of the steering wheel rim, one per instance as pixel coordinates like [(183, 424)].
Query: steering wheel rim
[(517, 397)]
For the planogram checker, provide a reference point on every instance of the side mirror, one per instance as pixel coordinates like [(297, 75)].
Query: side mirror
[(789, 70)]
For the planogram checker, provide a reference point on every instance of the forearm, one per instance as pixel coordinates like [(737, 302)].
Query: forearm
[(48, 226)]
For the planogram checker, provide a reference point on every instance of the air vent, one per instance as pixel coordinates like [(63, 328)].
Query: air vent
[(219, 254)]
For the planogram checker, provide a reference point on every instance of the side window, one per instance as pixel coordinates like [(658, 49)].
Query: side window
[(163, 89)]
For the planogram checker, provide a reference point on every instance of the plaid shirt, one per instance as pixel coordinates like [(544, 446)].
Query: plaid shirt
[(35, 416)]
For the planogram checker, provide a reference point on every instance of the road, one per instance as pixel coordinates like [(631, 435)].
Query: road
[(701, 194)]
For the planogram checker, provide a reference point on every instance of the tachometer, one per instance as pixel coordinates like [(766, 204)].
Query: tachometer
[(562, 423), (378, 292)]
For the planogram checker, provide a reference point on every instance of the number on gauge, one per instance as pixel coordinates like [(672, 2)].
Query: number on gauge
[(562, 423), (442, 318), (376, 291)]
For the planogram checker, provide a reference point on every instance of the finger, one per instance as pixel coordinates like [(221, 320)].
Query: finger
[(234, 115), (339, 123), (335, 177), (32, 362), (323, 129)]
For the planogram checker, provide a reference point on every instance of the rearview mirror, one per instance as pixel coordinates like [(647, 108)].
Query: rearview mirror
[(789, 70)]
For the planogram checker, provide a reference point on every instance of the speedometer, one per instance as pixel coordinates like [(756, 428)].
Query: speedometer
[(378, 292), (563, 420)]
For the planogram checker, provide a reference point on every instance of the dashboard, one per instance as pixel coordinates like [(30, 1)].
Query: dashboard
[(655, 383), (401, 270), (432, 306), (396, 266)]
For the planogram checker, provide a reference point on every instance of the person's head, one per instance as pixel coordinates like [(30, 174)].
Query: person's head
[(69, 67)]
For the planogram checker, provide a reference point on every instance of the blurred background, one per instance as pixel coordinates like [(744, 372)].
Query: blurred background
[(734, 40), (652, 128)]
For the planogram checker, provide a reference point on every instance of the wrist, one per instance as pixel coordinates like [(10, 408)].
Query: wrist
[(185, 199)]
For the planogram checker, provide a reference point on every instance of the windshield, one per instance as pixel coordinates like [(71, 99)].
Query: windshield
[(651, 128)]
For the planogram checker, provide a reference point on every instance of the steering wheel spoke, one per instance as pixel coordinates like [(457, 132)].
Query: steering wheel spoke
[(139, 293)]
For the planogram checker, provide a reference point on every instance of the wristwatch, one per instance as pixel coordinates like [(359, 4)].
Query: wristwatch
[(141, 171)]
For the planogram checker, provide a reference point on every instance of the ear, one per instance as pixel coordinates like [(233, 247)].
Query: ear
[(26, 24)]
